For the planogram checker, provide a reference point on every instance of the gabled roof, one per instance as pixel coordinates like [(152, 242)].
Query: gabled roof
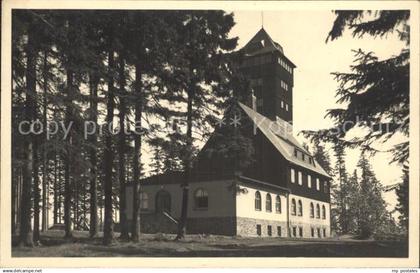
[(282, 138)]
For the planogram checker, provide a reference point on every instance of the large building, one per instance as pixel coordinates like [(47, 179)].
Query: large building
[(283, 192)]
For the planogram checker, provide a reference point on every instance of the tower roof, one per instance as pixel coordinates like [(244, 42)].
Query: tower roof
[(262, 43)]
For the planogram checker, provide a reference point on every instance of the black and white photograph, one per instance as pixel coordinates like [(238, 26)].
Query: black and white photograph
[(222, 131)]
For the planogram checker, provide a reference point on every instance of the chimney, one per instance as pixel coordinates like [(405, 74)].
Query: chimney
[(253, 101)]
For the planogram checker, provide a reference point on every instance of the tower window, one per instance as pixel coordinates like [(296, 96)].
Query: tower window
[(284, 85), (292, 175), (300, 178)]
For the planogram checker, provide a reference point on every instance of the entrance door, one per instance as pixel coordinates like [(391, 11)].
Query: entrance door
[(163, 201)]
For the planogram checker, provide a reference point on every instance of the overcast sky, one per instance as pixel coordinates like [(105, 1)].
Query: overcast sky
[(302, 35)]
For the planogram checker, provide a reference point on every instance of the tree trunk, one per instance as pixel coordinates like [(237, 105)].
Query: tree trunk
[(56, 191), (76, 200), (45, 161), (135, 227), (109, 156), (67, 156), (93, 227), (121, 150), (182, 226), (37, 193), (15, 183), (26, 235)]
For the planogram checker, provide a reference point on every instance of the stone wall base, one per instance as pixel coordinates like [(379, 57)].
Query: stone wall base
[(250, 227), (231, 226), (309, 230)]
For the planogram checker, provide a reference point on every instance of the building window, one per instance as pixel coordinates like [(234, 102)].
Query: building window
[(284, 85), (201, 199), (259, 230), (144, 201), (269, 231), (268, 202), (282, 104), (318, 230), (324, 232), (325, 186), (300, 178), (317, 211), (293, 206), (257, 200), (163, 201), (300, 231), (278, 204), (300, 209), (309, 181), (294, 231), (317, 184), (292, 175), (312, 210), (287, 107), (279, 231), (312, 232), (323, 212)]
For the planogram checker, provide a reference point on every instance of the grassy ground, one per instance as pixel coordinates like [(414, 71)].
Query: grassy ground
[(210, 246)]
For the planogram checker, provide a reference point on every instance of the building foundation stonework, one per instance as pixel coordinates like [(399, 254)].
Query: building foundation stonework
[(249, 227)]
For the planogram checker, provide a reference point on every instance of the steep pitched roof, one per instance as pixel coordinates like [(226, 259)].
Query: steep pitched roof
[(282, 138), (262, 43)]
